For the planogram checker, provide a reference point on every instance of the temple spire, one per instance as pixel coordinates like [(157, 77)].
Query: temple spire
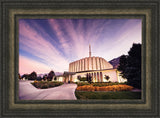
[(89, 50)]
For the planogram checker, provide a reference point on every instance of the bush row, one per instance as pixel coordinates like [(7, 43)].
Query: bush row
[(82, 83), (100, 84), (46, 84), (104, 88), (106, 84)]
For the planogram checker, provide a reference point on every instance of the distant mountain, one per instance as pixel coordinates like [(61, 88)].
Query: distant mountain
[(58, 73), (41, 75), (115, 62)]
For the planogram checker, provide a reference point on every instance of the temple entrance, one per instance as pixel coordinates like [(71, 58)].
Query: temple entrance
[(68, 77)]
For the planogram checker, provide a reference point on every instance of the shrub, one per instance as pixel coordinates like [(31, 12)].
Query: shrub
[(105, 83), (82, 83), (107, 77), (104, 88), (81, 78), (46, 84)]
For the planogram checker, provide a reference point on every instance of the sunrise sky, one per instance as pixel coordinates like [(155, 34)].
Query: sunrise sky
[(51, 44)]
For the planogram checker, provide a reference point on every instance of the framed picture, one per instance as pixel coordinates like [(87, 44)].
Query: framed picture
[(49, 43), (48, 46)]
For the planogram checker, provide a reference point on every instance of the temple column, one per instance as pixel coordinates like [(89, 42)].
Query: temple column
[(82, 64), (71, 67), (90, 63), (102, 63), (95, 77), (98, 64), (98, 76), (79, 65), (76, 66), (94, 64), (101, 76), (92, 76), (86, 64)]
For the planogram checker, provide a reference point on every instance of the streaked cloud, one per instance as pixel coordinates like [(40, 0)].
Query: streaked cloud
[(28, 65), (54, 43)]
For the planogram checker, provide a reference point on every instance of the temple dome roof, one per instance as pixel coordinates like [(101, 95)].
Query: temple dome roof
[(89, 63)]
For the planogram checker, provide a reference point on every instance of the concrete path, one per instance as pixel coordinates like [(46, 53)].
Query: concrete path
[(29, 92)]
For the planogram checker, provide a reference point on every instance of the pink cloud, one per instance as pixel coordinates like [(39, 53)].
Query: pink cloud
[(35, 44), (122, 42), (27, 65), (77, 45), (59, 33)]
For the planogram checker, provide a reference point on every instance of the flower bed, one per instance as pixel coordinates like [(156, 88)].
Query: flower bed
[(46, 84), (104, 88), (100, 84)]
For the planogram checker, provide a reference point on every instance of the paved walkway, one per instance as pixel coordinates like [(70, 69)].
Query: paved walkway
[(29, 92)]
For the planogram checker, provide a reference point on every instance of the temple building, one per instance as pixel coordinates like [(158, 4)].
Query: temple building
[(96, 67)]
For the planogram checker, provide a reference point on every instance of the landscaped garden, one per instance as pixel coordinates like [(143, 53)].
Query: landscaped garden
[(105, 90), (46, 84), (107, 95)]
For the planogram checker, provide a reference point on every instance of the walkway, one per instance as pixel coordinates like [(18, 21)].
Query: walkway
[(29, 92)]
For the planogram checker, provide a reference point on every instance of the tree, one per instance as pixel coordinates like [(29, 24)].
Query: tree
[(45, 77), (50, 75), (122, 65), (39, 78), (133, 69), (55, 78), (32, 76), (107, 77), (130, 67), (26, 76)]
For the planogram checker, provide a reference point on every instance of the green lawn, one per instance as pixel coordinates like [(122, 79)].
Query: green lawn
[(107, 95)]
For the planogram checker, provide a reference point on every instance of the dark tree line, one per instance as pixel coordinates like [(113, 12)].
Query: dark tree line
[(130, 66), (33, 76)]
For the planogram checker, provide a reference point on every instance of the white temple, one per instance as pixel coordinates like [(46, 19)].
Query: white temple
[(96, 67)]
